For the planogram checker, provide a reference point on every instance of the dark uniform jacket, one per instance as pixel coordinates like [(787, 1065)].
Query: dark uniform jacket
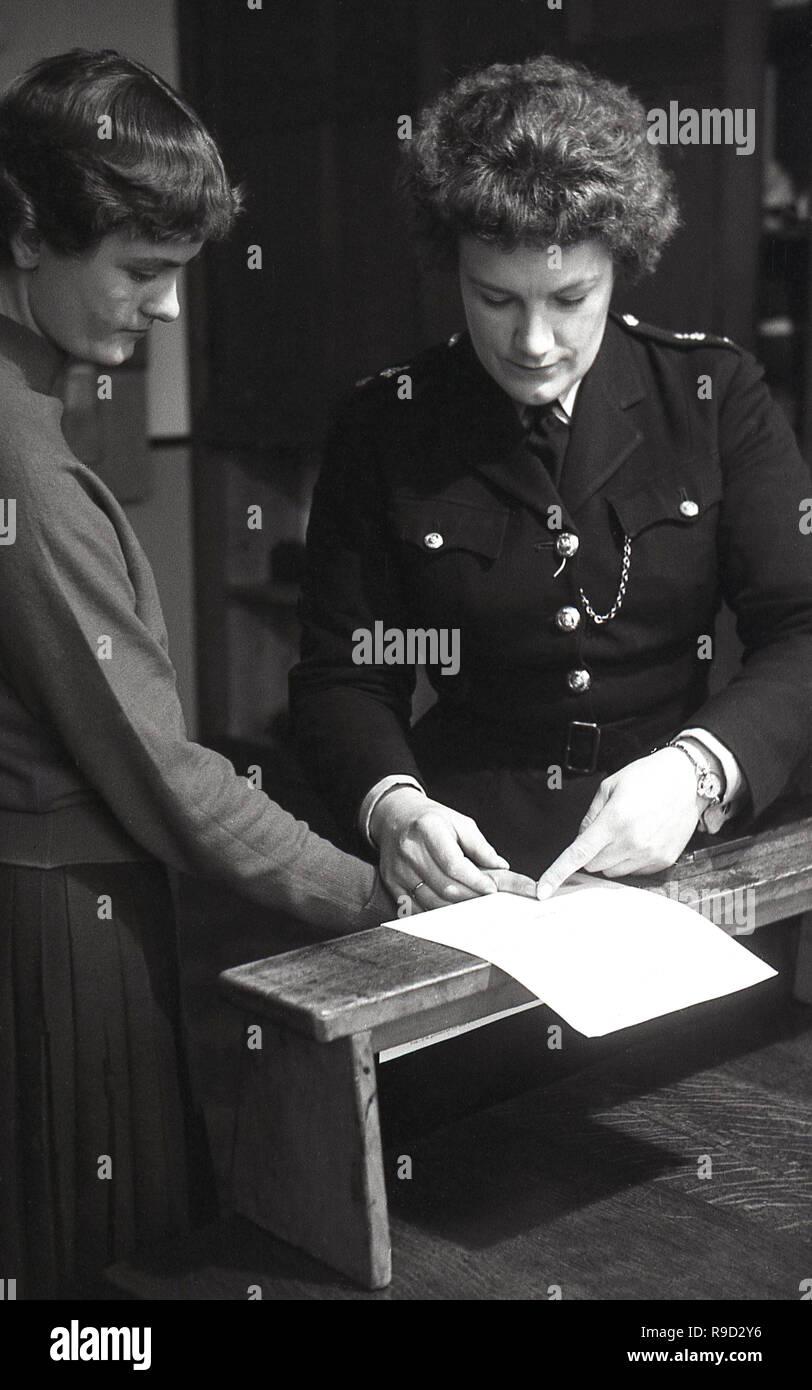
[(431, 513)]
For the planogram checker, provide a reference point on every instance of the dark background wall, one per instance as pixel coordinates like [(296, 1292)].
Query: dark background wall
[(306, 99)]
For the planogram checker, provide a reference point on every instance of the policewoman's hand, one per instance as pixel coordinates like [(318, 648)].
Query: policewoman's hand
[(640, 820), (434, 855)]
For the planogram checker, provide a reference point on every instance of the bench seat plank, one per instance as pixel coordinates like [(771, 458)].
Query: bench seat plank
[(372, 979), (357, 982)]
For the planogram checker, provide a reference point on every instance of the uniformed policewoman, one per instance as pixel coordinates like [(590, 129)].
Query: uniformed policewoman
[(574, 493)]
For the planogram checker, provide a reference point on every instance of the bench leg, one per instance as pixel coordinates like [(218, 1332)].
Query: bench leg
[(802, 985), (308, 1164)]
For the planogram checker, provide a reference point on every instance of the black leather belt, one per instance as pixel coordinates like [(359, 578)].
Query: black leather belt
[(582, 747), (585, 747)]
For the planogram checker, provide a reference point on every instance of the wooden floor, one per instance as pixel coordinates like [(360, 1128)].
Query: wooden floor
[(590, 1183)]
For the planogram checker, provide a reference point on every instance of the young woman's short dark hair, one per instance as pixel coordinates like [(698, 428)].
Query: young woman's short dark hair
[(541, 152), (91, 142)]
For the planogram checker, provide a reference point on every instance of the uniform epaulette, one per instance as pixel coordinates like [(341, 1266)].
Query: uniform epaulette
[(666, 335), (425, 360), (382, 376)]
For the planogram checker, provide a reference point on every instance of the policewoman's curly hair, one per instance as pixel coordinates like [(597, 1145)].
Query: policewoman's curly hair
[(541, 152), (92, 142)]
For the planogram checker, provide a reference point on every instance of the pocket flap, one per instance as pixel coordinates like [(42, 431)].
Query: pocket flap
[(437, 524), (683, 500)]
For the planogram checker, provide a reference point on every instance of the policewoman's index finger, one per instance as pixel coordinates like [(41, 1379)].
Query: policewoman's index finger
[(582, 850)]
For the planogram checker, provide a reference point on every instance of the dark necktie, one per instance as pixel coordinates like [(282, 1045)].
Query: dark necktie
[(546, 437)]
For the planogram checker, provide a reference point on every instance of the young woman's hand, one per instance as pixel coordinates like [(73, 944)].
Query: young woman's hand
[(433, 855)]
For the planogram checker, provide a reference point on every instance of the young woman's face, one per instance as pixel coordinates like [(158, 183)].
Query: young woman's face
[(97, 305), (536, 326)]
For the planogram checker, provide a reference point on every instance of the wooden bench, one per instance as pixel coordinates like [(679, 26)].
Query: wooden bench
[(307, 1161)]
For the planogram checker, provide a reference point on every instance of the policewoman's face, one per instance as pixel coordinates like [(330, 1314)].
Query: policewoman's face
[(536, 324), (96, 306)]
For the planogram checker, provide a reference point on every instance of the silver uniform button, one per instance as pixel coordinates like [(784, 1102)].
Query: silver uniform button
[(688, 508), (433, 540), (567, 544), (567, 619), (578, 681)]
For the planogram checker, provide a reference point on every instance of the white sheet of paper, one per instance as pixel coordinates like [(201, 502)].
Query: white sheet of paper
[(602, 955)]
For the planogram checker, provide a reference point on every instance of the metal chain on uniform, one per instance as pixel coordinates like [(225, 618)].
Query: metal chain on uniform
[(621, 592)]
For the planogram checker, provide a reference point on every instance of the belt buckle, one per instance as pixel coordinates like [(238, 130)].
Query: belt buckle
[(583, 743)]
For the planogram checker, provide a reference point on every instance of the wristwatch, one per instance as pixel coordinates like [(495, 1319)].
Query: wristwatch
[(708, 783)]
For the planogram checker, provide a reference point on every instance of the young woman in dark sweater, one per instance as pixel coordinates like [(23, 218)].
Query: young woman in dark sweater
[(109, 184)]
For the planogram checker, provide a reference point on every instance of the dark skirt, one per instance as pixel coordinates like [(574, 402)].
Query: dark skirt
[(102, 1150)]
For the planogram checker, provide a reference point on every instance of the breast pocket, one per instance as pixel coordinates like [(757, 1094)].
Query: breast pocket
[(448, 551), (672, 524), (438, 527)]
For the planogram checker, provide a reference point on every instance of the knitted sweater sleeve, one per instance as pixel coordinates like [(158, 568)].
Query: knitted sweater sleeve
[(82, 632)]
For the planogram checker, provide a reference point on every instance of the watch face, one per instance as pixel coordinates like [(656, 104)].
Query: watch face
[(710, 786)]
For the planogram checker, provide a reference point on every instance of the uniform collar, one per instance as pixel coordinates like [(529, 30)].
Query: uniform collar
[(567, 401), (604, 428), (38, 359), (562, 408)]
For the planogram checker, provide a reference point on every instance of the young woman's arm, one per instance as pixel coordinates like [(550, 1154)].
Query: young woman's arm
[(82, 636)]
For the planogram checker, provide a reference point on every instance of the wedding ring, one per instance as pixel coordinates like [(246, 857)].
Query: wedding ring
[(421, 884)]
